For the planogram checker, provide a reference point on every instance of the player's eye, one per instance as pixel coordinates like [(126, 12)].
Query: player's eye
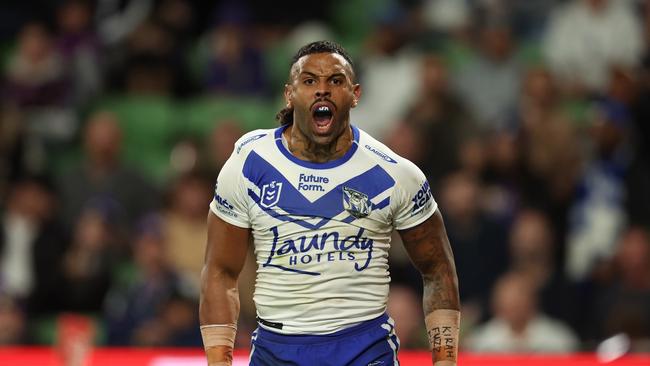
[(337, 81), (309, 81)]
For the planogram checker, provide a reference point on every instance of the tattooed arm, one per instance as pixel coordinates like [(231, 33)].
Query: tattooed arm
[(428, 247)]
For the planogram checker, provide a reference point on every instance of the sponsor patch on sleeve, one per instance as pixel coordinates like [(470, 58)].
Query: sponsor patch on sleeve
[(422, 199), (223, 206)]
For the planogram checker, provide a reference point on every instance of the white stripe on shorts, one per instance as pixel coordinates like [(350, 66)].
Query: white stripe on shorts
[(253, 338), (392, 344)]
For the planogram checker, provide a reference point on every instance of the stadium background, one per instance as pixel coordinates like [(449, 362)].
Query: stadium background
[(530, 119)]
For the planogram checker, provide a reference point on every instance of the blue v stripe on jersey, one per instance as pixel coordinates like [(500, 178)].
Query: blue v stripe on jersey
[(260, 172)]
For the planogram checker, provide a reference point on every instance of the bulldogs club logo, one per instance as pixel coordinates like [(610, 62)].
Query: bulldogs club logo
[(270, 194), (355, 202)]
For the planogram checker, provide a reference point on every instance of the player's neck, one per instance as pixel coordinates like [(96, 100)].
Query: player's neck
[(306, 149)]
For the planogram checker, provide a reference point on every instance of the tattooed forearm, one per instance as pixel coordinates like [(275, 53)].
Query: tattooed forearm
[(429, 249)]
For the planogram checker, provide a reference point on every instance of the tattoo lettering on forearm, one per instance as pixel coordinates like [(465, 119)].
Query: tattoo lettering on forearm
[(434, 339), (444, 343), (449, 343), (443, 339)]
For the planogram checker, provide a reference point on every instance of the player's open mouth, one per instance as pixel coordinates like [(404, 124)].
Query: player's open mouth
[(322, 114)]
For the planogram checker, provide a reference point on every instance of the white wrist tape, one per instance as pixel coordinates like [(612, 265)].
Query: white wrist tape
[(443, 327), (218, 335)]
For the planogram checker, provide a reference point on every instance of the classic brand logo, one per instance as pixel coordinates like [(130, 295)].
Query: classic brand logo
[(381, 154), (270, 194), (250, 139), (355, 202)]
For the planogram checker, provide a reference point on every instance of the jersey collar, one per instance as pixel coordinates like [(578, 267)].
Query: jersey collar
[(312, 165)]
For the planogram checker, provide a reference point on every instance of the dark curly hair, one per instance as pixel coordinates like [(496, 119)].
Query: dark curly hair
[(285, 116)]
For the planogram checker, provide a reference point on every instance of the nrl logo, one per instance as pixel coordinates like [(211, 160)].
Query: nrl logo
[(356, 203), (270, 194)]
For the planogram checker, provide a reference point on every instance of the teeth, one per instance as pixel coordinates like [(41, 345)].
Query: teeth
[(323, 108)]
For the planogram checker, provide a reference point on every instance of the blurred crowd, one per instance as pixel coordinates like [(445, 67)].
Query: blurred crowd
[(531, 120)]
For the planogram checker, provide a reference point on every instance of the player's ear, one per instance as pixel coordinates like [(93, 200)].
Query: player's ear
[(287, 95), (356, 91)]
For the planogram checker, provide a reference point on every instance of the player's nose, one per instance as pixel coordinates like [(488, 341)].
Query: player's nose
[(323, 91)]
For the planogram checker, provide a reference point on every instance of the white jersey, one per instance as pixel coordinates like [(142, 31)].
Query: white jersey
[(321, 231)]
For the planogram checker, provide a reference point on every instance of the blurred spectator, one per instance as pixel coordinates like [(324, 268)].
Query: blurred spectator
[(502, 175), (173, 326), (638, 202), (184, 156), (117, 19), (405, 307), (622, 304), (90, 258), (38, 83), (550, 151), (36, 73), (12, 148), (517, 325), (31, 247), (405, 139), (148, 67), (585, 38), (12, 322), (551, 146), (130, 305), (178, 18), (597, 214), (102, 174), (489, 84), (234, 64), (149, 38), (446, 15), (448, 27), (441, 123), (628, 91), (79, 48), (388, 71), (529, 18), (220, 144), (479, 243), (302, 34), (623, 86), (280, 47), (533, 254), (185, 226)]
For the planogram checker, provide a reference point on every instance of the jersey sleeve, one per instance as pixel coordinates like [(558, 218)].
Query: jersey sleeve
[(414, 201), (230, 202)]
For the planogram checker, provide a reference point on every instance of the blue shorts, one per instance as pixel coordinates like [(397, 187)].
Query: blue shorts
[(371, 343)]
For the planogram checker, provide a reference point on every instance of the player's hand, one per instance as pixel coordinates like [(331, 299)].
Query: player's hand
[(219, 356)]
